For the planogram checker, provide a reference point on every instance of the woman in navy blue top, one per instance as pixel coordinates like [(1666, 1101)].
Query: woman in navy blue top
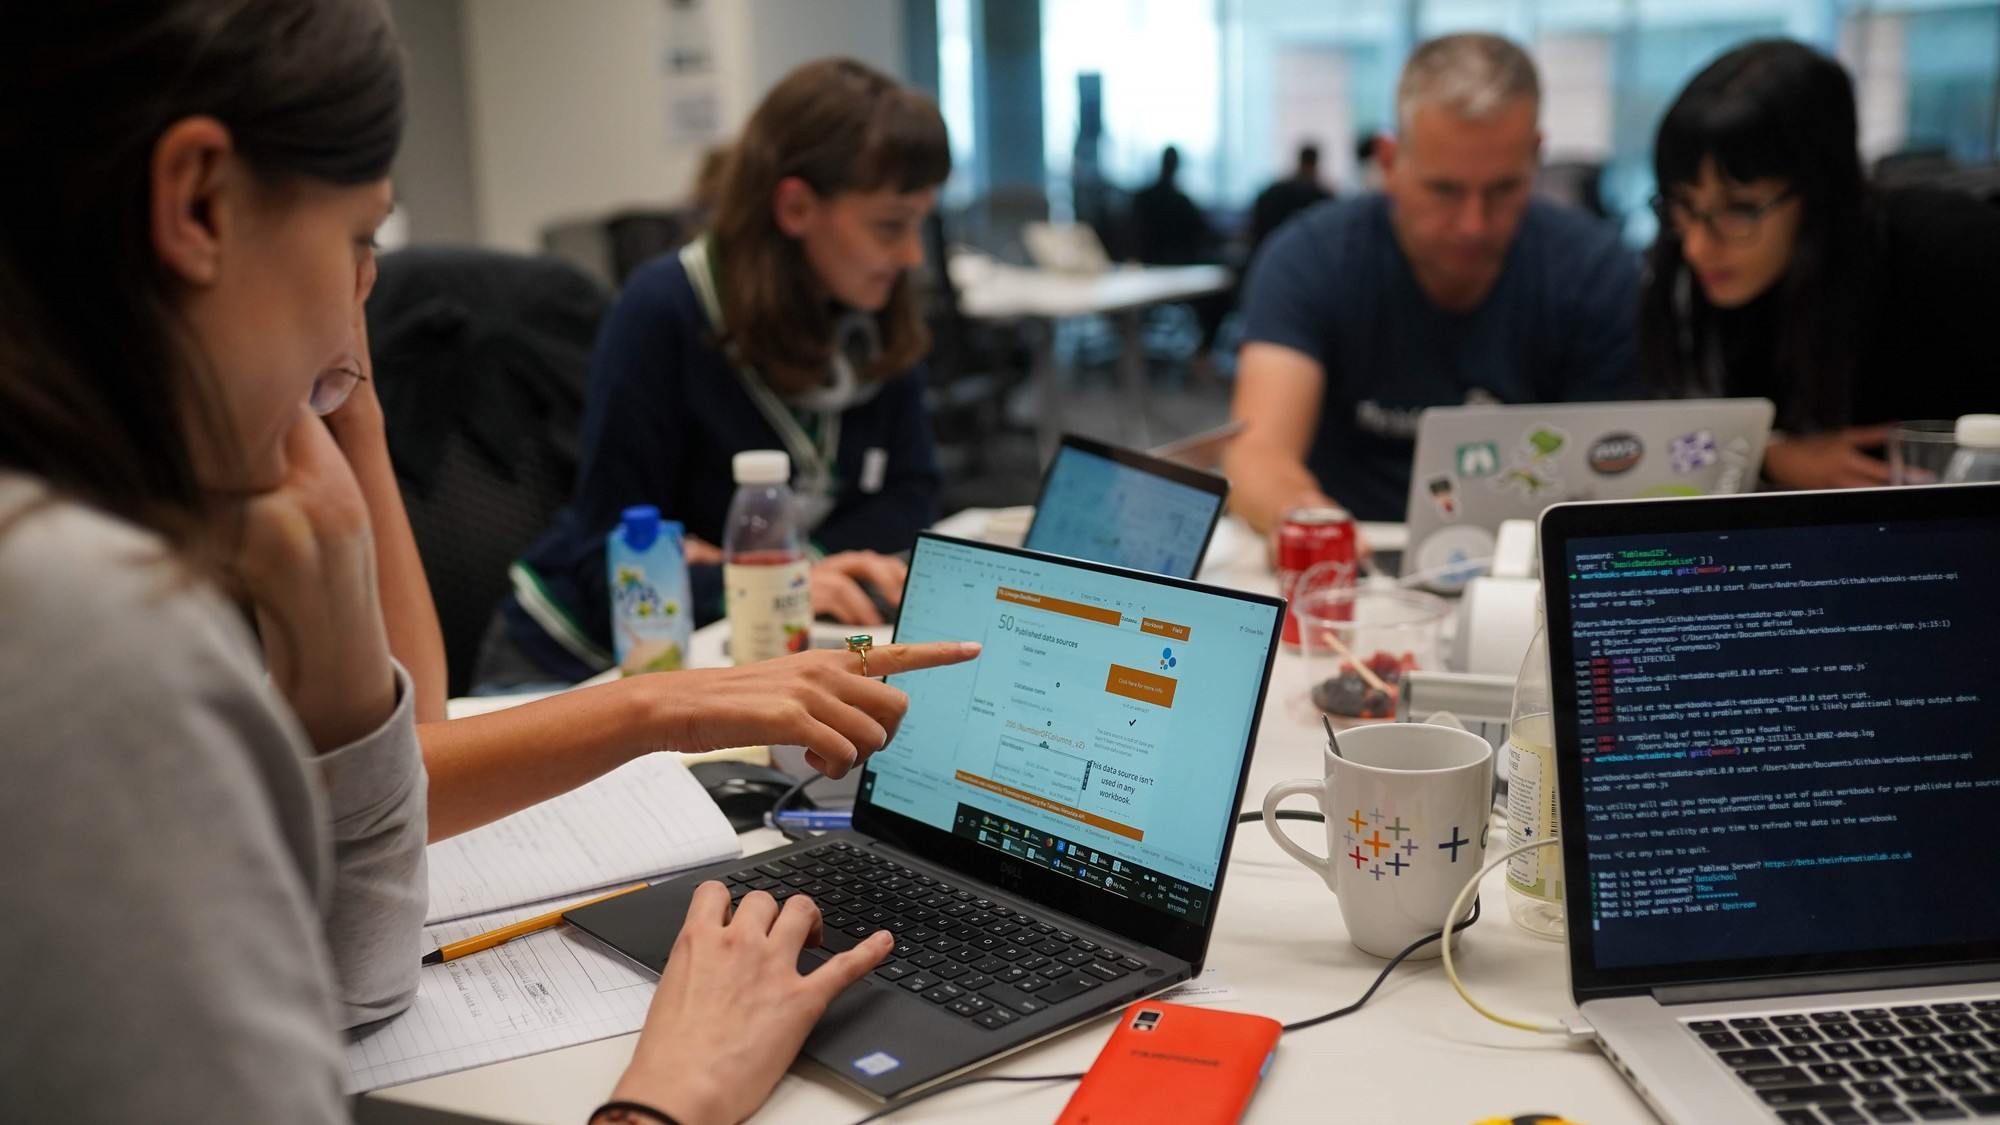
[(792, 324)]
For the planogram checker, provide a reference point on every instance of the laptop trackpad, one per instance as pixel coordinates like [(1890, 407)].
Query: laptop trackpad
[(869, 1017), (642, 926)]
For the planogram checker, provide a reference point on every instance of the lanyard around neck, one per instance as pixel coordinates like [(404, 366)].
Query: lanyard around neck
[(812, 462)]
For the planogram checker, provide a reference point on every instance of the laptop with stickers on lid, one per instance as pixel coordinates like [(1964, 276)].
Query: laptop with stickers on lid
[(1479, 466)]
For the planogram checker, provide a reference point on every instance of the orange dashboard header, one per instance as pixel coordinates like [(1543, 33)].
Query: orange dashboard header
[(1165, 629), (1095, 613)]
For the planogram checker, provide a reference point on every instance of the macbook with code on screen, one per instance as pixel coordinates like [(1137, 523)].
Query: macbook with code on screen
[(1777, 732), (1047, 832), (1119, 506)]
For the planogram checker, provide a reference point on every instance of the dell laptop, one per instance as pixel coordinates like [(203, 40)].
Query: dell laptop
[(1477, 466), (1047, 832), (1777, 728), (1126, 508)]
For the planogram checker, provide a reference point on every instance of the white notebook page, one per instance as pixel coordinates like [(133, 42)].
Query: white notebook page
[(644, 819), (556, 988)]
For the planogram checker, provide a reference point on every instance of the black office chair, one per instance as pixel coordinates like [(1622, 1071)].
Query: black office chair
[(974, 367), (481, 359), (1574, 183), (1936, 169), (1916, 164), (637, 237)]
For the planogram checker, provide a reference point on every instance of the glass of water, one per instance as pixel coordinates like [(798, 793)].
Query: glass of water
[(1918, 451)]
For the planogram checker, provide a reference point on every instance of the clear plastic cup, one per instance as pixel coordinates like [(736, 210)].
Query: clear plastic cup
[(1919, 451), (1359, 642)]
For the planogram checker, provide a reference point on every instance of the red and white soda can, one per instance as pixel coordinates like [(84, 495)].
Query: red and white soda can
[(1308, 538)]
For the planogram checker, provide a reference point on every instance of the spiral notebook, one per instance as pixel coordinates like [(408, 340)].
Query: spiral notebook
[(556, 988)]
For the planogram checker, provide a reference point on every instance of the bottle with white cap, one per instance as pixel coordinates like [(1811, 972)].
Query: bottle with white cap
[(1978, 456), (765, 572)]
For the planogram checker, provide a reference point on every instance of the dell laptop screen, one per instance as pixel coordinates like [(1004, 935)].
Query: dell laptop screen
[(1099, 743), (1116, 506)]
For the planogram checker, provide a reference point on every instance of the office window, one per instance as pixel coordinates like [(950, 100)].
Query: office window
[(1951, 60), (954, 19), (1298, 73), (1239, 84), (1158, 64)]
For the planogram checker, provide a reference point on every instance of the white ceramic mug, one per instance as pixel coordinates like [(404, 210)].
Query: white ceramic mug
[(1406, 808)]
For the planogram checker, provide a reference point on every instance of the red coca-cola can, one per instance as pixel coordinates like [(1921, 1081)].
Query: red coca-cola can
[(1308, 538)]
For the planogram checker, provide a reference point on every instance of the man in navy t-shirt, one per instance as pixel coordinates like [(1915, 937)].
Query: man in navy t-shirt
[(1454, 285)]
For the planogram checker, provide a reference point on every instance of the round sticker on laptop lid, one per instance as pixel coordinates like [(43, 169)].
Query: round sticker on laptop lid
[(1617, 453), (1692, 452), (1452, 556)]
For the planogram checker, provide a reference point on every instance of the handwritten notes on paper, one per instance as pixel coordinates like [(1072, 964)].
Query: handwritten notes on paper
[(559, 987)]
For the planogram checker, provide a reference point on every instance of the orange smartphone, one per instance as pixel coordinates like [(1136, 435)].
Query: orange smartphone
[(1171, 1062)]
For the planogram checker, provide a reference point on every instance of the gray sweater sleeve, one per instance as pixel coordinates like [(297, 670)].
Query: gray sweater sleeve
[(375, 789), (191, 901)]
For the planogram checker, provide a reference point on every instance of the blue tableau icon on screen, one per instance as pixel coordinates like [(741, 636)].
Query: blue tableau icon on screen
[(1167, 658)]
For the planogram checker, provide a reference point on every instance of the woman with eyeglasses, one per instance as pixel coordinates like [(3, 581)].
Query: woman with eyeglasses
[(214, 836), (1779, 272)]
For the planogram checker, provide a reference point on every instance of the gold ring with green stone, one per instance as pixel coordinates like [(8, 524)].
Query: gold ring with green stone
[(859, 644)]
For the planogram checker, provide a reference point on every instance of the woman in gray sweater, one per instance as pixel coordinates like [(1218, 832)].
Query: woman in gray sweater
[(213, 837)]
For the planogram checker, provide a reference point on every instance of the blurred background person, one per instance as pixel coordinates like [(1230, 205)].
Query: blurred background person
[(1367, 169), (1287, 197), (1169, 229)]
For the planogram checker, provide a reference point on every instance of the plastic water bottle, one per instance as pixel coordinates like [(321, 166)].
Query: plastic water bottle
[(1534, 878), (647, 564), (764, 565), (1978, 456)]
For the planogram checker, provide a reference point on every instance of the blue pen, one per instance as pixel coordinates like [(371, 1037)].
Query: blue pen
[(816, 820)]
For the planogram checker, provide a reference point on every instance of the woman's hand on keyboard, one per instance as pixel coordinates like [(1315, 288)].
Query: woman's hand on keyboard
[(732, 1008), (818, 700)]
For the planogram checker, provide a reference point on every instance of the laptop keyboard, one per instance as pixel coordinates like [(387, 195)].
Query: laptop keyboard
[(970, 956), (1857, 1066)]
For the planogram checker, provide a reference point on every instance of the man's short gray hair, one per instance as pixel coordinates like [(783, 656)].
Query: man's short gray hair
[(1470, 74)]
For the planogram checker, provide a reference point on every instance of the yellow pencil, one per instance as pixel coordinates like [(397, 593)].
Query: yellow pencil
[(454, 950)]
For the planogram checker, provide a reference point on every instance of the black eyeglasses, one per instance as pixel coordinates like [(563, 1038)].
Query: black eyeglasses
[(1732, 222)]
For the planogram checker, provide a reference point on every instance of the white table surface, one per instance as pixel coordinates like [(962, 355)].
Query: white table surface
[(1005, 291), (997, 291), (1415, 1054)]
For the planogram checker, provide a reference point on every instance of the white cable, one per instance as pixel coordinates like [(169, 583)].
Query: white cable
[(1458, 907)]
